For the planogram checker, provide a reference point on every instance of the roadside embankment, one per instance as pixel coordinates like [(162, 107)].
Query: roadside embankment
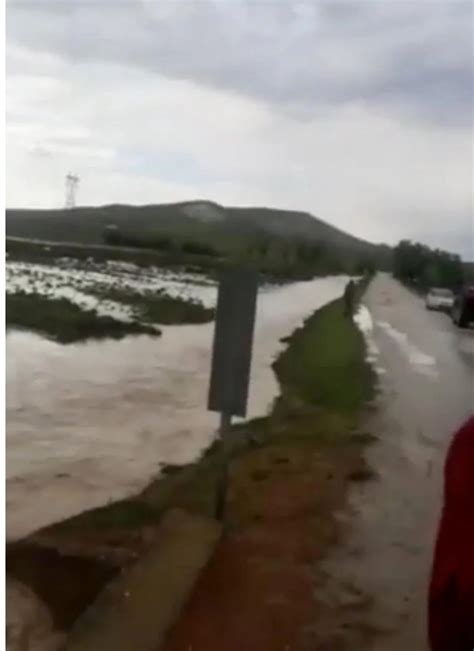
[(289, 475)]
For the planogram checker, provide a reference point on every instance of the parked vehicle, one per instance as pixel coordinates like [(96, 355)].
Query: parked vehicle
[(462, 312), (439, 299)]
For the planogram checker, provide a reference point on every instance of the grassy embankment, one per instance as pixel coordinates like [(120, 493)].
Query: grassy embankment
[(313, 433)]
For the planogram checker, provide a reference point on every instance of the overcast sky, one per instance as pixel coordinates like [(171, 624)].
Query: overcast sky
[(360, 113)]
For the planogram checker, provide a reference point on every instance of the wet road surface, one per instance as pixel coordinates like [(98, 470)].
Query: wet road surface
[(426, 390)]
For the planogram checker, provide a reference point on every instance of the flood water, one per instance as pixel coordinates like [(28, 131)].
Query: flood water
[(92, 422)]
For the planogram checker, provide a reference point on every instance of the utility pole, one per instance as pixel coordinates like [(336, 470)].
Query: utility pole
[(72, 182)]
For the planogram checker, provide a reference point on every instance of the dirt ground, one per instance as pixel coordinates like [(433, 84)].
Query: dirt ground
[(260, 591), (52, 577)]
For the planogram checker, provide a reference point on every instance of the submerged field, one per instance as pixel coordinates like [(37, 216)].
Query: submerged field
[(74, 300), (96, 420)]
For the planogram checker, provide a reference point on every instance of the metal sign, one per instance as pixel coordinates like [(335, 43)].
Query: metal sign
[(233, 337)]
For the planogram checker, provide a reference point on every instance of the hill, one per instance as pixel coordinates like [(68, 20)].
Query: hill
[(86, 225), (227, 231)]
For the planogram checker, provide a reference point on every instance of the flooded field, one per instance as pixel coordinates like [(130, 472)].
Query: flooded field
[(87, 284), (92, 422)]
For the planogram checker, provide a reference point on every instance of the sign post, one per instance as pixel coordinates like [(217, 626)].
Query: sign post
[(231, 358), (224, 430)]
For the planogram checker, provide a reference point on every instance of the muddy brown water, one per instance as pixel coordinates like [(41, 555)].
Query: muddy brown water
[(93, 422)]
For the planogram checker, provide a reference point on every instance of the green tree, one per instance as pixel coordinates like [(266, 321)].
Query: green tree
[(417, 264)]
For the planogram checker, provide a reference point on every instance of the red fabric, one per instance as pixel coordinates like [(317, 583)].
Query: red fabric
[(451, 598)]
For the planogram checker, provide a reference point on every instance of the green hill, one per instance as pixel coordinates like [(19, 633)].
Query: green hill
[(86, 224), (226, 230)]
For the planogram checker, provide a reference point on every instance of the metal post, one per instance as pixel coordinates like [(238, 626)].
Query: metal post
[(349, 298), (226, 421)]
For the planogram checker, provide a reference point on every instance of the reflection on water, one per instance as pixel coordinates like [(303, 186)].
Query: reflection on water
[(91, 422)]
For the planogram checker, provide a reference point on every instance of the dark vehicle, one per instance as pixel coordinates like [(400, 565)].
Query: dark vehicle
[(463, 308)]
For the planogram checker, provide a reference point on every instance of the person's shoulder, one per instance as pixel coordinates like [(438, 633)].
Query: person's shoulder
[(464, 437), (459, 472)]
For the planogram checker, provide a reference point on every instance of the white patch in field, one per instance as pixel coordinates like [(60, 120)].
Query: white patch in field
[(203, 211), (51, 286), (67, 279)]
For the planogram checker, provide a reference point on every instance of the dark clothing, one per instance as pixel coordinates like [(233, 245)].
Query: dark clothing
[(349, 296), (451, 598)]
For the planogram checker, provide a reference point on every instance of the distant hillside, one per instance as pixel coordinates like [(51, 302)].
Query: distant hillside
[(203, 219), (303, 225)]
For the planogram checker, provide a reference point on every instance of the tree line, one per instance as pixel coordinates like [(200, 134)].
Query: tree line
[(113, 236), (419, 265), (286, 258)]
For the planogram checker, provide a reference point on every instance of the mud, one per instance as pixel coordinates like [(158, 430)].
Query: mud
[(64, 583), (258, 592)]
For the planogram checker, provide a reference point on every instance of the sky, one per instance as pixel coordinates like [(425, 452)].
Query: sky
[(360, 113)]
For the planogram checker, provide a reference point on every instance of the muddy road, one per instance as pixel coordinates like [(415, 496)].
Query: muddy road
[(426, 372)]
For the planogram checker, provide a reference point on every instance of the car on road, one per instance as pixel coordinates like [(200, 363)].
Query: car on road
[(439, 298), (462, 311)]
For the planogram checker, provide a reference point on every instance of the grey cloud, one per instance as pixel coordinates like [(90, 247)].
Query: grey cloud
[(415, 57)]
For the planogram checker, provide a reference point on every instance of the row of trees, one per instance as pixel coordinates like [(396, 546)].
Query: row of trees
[(271, 254), (113, 236), (417, 264), (290, 258)]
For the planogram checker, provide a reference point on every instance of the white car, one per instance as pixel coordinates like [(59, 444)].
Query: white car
[(439, 299)]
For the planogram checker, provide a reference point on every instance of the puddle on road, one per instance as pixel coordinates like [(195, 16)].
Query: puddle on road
[(93, 422)]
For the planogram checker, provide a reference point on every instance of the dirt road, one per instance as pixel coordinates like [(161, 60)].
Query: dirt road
[(426, 368)]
